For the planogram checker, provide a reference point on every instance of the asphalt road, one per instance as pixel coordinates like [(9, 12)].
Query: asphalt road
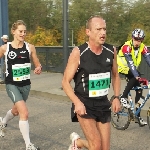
[(50, 127)]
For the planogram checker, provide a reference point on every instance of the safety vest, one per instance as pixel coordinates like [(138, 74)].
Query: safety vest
[(121, 61)]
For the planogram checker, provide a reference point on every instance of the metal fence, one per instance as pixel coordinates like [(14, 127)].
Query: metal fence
[(52, 60)]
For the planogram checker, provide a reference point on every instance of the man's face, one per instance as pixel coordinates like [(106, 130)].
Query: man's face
[(137, 42), (97, 31)]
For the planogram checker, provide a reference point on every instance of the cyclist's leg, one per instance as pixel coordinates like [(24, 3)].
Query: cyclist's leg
[(137, 98), (138, 95), (131, 83)]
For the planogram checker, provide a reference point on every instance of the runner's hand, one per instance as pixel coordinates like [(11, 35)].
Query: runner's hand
[(116, 106), (38, 70), (80, 109)]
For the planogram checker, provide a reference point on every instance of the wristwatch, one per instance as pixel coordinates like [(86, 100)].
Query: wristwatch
[(113, 97), (118, 97)]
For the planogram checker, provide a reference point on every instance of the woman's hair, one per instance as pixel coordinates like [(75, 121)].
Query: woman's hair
[(16, 24)]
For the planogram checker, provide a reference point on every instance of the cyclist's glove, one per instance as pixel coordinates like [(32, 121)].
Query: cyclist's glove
[(143, 81)]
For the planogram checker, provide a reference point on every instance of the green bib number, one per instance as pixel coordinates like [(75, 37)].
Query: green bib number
[(21, 72), (99, 84)]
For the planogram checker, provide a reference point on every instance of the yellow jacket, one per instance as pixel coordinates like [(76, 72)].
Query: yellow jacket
[(121, 61)]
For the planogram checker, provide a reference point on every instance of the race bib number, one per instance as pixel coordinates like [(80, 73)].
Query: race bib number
[(21, 71), (99, 84)]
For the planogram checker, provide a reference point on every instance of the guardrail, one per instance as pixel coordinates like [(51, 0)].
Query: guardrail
[(52, 60)]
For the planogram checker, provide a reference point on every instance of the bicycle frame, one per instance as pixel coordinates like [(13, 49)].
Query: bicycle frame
[(122, 119), (144, 99)]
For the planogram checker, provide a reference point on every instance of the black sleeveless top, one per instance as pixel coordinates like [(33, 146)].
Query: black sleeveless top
[(18, 65), (93, 77)]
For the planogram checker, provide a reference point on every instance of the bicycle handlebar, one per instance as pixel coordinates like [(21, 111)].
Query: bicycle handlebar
[(144, 82)]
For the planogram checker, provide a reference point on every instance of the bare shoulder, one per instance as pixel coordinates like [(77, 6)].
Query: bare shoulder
[(75, 52), (115, 50), (32, 47), (74, 57), (3, 48)]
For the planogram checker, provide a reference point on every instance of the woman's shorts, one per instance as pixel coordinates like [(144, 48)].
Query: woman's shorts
[(17, 93)]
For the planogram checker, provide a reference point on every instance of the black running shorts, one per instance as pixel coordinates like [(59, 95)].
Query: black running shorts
[(99, 110)]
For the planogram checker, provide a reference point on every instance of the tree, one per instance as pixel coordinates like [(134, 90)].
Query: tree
[(32, 12), (120, 16), (114, 11), (146, 31), (44, 13), (80, 11), (43, 37), (81, 36)]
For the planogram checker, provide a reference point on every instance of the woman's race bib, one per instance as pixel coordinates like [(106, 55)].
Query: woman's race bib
[(21, 71)]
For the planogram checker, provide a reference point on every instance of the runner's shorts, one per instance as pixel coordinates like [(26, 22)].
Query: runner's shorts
[(99, 110), (17, 93)]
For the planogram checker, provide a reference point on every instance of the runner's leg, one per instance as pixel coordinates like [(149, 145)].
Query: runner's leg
[(104, 129), (91, 133)]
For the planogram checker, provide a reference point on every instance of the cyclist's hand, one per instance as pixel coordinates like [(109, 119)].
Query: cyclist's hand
[(116, 105), (137, 78), (144, 81)]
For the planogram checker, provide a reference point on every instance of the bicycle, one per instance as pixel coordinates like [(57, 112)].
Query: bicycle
[(122, 119)]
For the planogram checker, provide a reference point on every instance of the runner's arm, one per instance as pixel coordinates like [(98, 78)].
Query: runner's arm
[(115, 84), (38, 66), (2, 50), (115, 76), (71, 68)]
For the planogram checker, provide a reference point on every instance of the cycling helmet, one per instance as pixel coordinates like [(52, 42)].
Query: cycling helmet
[(138, 34)]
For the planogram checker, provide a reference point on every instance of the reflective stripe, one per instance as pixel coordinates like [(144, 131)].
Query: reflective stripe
[(121, 61)]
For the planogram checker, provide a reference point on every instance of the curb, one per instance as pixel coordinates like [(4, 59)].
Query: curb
[(49, 95)]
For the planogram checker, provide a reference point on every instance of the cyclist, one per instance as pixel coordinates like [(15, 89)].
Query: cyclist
[(129, 58)]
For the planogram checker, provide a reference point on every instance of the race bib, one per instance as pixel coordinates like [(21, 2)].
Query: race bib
[(99, 84), (21, 71)]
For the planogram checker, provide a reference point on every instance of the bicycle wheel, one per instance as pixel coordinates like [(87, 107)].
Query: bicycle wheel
[(148, 118), (121, 120)]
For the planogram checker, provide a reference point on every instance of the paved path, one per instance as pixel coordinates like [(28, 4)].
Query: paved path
[(50, 84), (50, 124)]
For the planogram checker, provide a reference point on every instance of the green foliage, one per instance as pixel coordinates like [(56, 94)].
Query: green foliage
[(81, 36), (43, 37), (30, 11), (121, 17)]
